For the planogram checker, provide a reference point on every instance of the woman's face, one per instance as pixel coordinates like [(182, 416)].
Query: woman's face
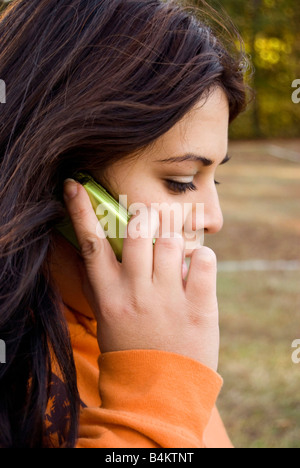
[(203, 132)]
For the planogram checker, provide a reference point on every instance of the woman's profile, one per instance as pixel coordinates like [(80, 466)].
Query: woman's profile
[(101, 353)]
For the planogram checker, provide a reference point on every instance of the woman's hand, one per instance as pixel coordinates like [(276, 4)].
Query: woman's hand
[(143, 302)]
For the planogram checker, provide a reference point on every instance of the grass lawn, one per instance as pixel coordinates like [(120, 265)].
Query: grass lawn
[(259, 319), (259, 311)]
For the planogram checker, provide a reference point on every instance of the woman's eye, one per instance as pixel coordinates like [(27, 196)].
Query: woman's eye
[(180, 187)]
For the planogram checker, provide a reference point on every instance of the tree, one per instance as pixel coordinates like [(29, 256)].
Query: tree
[(270, 29)]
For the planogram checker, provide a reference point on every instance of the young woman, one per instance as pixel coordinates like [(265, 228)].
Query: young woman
[(138, 94)]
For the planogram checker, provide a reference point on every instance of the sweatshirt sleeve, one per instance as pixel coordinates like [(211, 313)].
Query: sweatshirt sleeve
[(150, 399)]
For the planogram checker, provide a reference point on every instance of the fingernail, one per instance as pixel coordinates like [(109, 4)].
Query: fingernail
[(70, 189)]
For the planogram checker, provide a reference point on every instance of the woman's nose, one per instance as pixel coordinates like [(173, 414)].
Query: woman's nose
[(213, 216), (211, 219), (214, 224)]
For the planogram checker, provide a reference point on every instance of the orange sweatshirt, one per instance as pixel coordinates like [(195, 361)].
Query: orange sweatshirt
[(136, 398)]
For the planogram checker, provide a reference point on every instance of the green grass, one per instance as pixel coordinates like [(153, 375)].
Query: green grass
[(259, 319), (259, 311)]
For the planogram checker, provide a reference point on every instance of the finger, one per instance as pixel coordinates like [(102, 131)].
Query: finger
[(98, 255), (137, 255), (168, 260), (202, 278)]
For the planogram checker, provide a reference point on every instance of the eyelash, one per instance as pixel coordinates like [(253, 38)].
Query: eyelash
[(181, 187)]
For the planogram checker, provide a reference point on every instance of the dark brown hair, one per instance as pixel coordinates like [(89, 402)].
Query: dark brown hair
[(88, 82)]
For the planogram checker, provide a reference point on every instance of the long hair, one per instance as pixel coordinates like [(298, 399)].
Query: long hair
[(88, 82)]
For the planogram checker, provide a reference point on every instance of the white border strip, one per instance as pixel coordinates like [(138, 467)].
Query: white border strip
[(283, 153), (259, 265)]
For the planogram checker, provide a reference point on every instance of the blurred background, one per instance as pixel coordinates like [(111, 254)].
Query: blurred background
[(258, 248)]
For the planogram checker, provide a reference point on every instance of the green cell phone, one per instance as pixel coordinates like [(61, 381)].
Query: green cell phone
[(112, 216)]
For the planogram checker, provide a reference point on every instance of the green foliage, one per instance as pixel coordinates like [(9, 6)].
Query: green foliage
[(270, 30)]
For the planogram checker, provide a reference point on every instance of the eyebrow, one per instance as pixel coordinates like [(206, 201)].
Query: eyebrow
[(194, 158)]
